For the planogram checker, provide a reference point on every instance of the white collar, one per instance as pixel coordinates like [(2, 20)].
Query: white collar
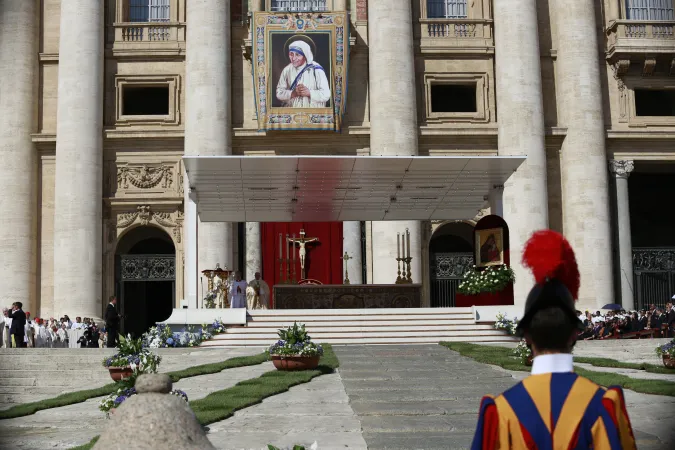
[(556, 363)]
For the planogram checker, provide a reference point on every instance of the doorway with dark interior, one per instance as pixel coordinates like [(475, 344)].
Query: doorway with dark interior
[(451, 254), (145, 278)]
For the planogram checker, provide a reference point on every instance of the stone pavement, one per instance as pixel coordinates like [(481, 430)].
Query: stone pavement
[(315, 411), (416, 397), (72, 425), (427, 397)]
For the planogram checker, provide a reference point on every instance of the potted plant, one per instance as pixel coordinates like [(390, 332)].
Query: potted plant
[(491, 280), (523, 352), (131, 359), (295, 350), (667, 354), (506, 324)]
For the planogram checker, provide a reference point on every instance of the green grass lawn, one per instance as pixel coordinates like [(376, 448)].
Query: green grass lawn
[(496, 355), (221, 405), (25, 409)]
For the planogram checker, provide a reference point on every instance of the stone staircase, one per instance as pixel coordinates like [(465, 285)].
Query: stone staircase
[(32, 374), (363, 326)]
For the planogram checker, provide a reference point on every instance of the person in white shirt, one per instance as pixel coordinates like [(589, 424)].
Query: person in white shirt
[(6, 337), (77, 324), (238, 292)]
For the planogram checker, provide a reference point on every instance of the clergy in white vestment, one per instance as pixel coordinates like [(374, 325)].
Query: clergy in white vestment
[(238, 292), (2, 330), (258, 293), (303, 83)]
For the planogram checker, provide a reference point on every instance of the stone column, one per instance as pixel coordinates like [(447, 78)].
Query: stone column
[(622, 170), (256, 5), (351, 243), (18, 171), (79, 162), (190, 274), (340, 5), (496, 200), (253, 250), (208, 125), (520, 115), (586, 217), (614, 10), (393, 119)]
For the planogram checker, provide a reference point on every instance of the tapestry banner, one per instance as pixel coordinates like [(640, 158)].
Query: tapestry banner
[(300, 70)]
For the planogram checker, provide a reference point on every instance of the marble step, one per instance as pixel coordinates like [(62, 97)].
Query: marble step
[(363, 312), (361, 341), (336, 333), (314, 330), (25, 381), (360, 317), (364, 322)]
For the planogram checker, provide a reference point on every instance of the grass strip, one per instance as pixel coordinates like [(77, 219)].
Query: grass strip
[(496, 355), (221, 405), (26, 409), (607, 362)]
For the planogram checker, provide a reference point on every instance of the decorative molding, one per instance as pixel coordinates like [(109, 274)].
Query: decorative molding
[(145, 176), (621, 168), (144, 215)]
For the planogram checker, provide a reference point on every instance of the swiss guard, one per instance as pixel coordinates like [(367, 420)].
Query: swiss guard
[(553, 408)]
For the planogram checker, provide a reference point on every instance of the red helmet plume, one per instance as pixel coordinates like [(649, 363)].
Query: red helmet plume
[(548, 254)]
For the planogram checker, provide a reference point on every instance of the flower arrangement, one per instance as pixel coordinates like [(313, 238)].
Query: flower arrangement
[(522, 352), (295, 341), (131, 353), (210, 298), (115, 399), (667, 349), (492, 279), (161, 336), (506, 324)]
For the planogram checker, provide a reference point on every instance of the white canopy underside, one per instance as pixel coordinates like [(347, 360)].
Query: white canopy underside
[(344, 188)]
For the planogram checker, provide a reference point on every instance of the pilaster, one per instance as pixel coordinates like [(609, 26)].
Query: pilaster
[(351, 238), (78, 220), (18, 171), (253, 250), (621, 171)]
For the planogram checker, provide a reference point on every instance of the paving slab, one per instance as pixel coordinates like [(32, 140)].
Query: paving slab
[(409, 409), (69, 426), (317, 411)]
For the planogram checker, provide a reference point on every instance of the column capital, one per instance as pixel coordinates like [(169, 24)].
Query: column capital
[(621, 168)]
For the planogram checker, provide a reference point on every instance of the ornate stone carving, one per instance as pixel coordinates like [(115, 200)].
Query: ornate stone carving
[(621, 168), (649, 66), (620, 68), (144, 177), (148, 268), (145, 215)]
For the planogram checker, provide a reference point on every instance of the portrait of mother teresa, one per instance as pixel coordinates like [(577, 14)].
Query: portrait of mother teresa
[(303, 82)]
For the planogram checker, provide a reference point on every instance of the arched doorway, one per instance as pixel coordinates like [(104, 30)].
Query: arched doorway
[(145, 277), (451, 253)]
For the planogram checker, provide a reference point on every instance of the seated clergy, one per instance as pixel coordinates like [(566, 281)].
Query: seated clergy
[(258, 293)]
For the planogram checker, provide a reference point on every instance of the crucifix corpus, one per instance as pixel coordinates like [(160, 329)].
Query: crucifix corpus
[(302, 241)]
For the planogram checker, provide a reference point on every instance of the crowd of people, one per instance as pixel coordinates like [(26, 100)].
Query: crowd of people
[(19, 330), (653, 322)]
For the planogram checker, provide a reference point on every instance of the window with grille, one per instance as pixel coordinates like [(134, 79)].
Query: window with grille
[(149, 10), (299, 5), (649, 10), (446, 9)]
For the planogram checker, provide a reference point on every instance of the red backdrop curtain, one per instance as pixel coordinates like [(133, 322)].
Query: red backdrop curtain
[(322, 262)]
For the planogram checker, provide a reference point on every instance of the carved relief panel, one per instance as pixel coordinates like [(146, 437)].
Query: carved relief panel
[(129, 179)]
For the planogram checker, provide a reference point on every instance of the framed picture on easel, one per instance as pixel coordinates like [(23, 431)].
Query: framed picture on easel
[(489, 247)]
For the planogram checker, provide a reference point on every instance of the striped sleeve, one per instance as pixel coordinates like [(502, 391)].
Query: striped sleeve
[(487, 431), (615, 404)]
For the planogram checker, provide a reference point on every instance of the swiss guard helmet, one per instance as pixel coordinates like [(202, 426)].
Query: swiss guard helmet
[(551, 259)]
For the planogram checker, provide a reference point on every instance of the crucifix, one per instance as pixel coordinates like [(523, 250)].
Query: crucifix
[(346, 259), (302, 241)]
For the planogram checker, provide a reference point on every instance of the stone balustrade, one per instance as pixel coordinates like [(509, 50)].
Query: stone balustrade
[(148, 36), (456, 35), (632, 36)]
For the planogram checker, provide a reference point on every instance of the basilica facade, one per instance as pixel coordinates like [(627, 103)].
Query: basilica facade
[(100, 100)]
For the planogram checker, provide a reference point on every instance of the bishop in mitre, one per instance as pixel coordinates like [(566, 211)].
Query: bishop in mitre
[(258, 293), (238, 292)]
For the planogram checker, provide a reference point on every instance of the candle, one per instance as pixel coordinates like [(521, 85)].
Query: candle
[(287, 245), (403, 245), (281, 254), (408, 233), (398, 245), (293, 244)]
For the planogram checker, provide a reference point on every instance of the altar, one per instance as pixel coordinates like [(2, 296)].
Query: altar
[(347, 296)]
